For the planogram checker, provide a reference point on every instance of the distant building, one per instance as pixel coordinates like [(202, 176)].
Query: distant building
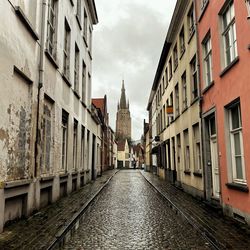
[(123, 154), (123, 119)]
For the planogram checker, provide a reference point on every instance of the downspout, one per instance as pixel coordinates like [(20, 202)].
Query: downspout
[(40, 85), (200, 95)]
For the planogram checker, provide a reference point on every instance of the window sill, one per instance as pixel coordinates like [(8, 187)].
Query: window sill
[(175, 67), (79, 22), (228, 67), (22, 75), (203, 11), (18, 183), (72, 2), (208, 87), (238, 187), (76, 94), (175, 118), (90, 56), (187, 172), (26, 22), (65, 78), (182, 53), (194, 100), (184, 110), (85, 40), (197, 174), (191, 36), (83, 104), (170, 78), (51, 59)]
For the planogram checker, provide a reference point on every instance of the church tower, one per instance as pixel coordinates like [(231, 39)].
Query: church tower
[(123, 119)]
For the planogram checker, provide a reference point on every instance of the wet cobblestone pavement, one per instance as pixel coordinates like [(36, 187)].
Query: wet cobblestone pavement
[(129, 214)]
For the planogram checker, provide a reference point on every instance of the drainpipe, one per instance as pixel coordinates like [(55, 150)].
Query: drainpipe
[(200, 94), (40, 85)]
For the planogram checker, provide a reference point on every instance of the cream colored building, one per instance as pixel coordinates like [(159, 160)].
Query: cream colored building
[(123, 154), (48, 133), (174, 104)]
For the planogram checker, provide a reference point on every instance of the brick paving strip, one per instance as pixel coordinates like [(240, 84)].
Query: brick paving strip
[(41, 229), (223, 231)]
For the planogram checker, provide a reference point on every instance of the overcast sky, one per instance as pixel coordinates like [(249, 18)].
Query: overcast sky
[(127, 45)]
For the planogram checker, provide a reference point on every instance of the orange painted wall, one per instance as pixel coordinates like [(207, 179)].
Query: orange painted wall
[(235, 83)]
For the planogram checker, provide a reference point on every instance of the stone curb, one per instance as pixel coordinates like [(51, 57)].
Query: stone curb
[(200, 228), (71, 222)]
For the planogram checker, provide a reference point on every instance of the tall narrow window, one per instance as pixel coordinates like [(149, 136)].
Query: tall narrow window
[(187, 150), (170, 67), (197, 148), (184, 91), (248, 7), (229, 34), (83, 82), (76, 69), (194, 78), (64, 139), (164, 116), (207, 60), (182, 41), (89, 88), (175, 57), (236, 142), (90, 40), (166, 73), (85, 26), (191, 21), (177, 102), (47, 136), (51, 27), (79, 11), (66, 50), (88, 147), (75, 144), (82, 147)]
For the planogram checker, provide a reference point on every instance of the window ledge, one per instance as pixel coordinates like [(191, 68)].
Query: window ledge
[(238, 187), (182, 53), (83, 104), (85, 40), (194, 100), (187, 172), (175, 67), (76, 94), (22, 75), (184, 110), (197, 174), (79, 22), (203, 11), (65, 78), (26, 22), (228, 67), (51, 59), (72, 2), (175, 118), (18, 183), (208, 87), (90, 56), (191, 36)]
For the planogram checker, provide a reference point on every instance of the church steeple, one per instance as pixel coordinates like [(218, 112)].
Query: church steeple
[(123, 103)]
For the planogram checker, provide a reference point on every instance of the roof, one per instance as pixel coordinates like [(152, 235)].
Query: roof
[(100, 103)]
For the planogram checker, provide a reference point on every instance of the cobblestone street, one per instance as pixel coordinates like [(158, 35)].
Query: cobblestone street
[(128, 214)]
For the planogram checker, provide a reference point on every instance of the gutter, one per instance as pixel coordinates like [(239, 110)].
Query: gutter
[(40, 85)]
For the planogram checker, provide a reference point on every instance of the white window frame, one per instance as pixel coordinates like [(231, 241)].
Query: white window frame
[(194, 78), (184, 91), (229, 31), (233, 132), (207, 61), (248, 7)]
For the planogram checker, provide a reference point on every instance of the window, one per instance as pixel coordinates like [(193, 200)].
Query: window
[(90, 40), (184, 91), (197, 148), (78, 11), (65, 116), (170, 68), (182, 41), (207, 60), (204, 4), (248, 6), (76, 70), (82, 147), (75, 144), (236, 143), (89, 88), (83, 82), (175, 57), (187, 151), (177, 107), (164, 116), (88, 147), (229, 34), (66, 50), (47, 136), (166, 73), (170, 104), (85, 26), (191, 21), (51, 28), (194, 78)]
